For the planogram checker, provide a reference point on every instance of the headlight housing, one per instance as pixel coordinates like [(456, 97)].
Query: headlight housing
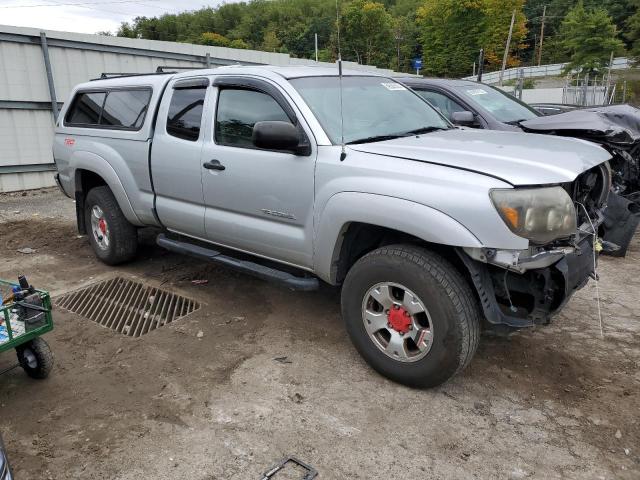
[(537, 214)]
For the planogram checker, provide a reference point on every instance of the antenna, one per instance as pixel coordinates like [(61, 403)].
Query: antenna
[(343, 151)]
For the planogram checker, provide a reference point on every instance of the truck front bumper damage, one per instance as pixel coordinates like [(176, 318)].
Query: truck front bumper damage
[(533, 288)]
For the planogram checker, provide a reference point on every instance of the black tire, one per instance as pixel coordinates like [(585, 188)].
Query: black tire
[(123, 237), (454, 311), (35, 358)]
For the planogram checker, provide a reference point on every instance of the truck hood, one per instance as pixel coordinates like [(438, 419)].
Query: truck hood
[(516, 158)]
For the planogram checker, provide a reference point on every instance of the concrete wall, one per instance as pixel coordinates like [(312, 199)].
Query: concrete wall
[(26, 119), (539, 95)]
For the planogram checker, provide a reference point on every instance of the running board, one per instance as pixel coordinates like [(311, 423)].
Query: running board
[(261, 271)]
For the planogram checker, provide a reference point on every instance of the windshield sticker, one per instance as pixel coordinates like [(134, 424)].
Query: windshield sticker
[(393, 86), (477, 91)]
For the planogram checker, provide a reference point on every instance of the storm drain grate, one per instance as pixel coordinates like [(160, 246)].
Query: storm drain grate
[(128, 307)]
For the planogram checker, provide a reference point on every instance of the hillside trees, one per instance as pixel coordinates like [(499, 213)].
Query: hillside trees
[(447, 34)]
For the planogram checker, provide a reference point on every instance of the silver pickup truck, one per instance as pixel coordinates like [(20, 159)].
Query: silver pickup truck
[(298, 175)]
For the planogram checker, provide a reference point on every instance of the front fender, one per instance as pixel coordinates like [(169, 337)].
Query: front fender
[(404, 216), (83, 160)]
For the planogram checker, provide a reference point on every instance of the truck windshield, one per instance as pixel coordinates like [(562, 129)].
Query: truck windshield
[(375, 108), (502, 106)]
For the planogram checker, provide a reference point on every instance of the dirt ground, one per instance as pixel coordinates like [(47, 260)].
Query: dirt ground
[(552, 402)]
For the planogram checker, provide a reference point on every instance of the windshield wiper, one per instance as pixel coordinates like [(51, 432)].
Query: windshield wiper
[(516, 122), (376, 138), (418, 131), (380, 138)]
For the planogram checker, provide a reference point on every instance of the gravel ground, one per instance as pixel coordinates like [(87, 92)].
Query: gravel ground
[(210, 396)]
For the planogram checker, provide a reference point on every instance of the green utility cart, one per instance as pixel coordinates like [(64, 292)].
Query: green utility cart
[(25, 315)]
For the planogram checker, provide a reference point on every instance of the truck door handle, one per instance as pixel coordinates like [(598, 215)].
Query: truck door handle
[(213, 165)]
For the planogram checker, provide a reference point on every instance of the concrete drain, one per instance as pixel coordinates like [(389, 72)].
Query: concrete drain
[(128, 307)]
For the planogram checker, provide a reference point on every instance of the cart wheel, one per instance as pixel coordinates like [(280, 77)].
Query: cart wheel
[(35, 358)]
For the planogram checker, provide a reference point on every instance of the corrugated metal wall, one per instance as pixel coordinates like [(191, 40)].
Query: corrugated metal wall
[(26, 117)]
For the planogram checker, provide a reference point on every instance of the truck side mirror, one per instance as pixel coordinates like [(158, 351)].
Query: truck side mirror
[(464, 118), (276, 135)]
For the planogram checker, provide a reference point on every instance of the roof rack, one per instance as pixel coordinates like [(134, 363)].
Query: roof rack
[(106, 75), (161, 68)]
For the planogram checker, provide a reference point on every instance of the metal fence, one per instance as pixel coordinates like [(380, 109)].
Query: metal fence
[(551, 70), (39, 69)]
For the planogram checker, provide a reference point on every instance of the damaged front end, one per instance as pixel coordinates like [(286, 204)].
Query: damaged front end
[(522, 288), (617, 129)]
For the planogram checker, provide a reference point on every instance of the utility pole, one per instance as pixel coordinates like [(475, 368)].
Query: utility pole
[(480, 64), (316, 41), (544, 17), (506, 48), (606, 89)]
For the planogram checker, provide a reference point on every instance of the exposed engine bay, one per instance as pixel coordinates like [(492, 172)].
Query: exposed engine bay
[(617, 129), (524, 288)]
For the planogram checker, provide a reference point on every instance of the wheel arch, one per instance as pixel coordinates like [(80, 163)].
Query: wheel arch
[(92, 171), (352, 224)]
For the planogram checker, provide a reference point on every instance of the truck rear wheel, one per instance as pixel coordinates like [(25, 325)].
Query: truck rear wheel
[(411, 315), (113, 238)]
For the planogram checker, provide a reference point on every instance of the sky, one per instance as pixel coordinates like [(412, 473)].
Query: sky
[(89, 16)]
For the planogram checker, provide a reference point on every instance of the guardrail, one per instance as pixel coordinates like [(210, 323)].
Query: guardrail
[(550, 70)]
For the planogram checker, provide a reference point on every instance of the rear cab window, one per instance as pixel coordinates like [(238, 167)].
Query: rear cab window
[(119, 109), (86, 108)]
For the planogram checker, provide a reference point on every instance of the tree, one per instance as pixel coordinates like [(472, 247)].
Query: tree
[(633, 31), (406, 43), (214, 39), (497, 19), (589, 37), (450, 32), (367, 30), (270, 42), (238, 43)]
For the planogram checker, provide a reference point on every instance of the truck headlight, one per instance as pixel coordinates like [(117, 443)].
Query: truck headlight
[(538, 214)]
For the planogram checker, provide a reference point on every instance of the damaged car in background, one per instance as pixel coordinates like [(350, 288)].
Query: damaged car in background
[(615, 128)]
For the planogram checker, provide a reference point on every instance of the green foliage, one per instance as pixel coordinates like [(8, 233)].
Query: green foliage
[(632, 34), (368, 32), (450, 35), (214, 39), (589, 36), (238, 43), (389, 33), (497, 18), (453, 31)]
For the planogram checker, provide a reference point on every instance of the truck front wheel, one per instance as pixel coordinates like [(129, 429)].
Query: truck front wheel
[(113, 238), (411, 315)]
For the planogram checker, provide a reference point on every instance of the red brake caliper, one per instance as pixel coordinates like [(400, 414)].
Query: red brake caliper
[(399, 319), (102, 225)]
